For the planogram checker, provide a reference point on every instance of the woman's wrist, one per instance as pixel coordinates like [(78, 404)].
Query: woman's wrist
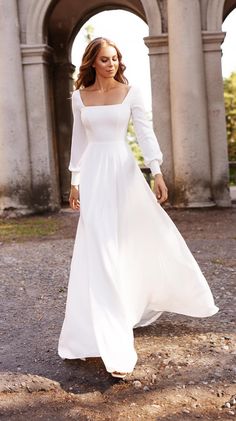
[(155, 167), (74, 187), (75, 178)]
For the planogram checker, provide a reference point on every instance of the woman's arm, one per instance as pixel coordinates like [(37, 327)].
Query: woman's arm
[(78, 146), (152, 154), (78, 142)]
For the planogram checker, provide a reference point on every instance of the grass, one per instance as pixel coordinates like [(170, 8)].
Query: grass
[(218, 261), (232, 176), (230, 263), (27, 227)]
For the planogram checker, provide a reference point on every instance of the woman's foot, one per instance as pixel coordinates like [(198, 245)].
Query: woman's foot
[(119, 374)]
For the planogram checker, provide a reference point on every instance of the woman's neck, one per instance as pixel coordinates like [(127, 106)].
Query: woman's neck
[(104, 85)]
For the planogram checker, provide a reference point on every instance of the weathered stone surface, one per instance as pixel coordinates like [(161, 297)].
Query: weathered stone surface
[(187, 98)]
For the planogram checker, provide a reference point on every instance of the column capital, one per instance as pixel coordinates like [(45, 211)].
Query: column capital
[(157, 44), (212, 40), (36, 54)]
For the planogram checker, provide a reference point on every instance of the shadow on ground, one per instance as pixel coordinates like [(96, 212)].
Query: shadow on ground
[(186, 366)]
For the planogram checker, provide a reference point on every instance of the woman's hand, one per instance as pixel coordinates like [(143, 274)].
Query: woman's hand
[(74, 198), (160, 188)]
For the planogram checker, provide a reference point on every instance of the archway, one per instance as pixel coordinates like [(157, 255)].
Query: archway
[(217, 11), (42, 10), (50, 31)]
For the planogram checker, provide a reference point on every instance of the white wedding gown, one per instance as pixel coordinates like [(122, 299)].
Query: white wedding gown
[(130, 262)]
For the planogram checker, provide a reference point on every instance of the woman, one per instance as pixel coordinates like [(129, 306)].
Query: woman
[(130, 262)]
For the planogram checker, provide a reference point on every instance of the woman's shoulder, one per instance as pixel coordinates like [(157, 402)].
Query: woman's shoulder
[(76, 98), (124, 86), (75, 93), (134, 92), (135, 88)]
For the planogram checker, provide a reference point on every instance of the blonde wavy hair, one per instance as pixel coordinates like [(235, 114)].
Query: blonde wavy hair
[(87, 74)]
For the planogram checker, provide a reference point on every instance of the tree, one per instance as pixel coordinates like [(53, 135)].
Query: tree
[(89, 33), (230, 114)]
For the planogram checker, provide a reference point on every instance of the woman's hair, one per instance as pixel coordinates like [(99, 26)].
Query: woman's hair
[(87, 73)]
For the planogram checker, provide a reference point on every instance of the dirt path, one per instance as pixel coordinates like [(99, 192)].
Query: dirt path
[(186, 368)]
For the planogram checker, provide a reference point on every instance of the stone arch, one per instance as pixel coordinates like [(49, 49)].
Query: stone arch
[(35, 33), (51, 26), (217, 11), (39, 10), (153, 15)]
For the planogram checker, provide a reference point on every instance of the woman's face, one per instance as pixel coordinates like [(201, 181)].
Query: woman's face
[(106, 63)]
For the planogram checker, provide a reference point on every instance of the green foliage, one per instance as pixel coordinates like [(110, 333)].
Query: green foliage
[(89, 33), (132, 140), (230, 111)]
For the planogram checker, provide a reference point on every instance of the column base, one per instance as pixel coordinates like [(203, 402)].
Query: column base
[(194, 205), (224, 203), (14, 212)]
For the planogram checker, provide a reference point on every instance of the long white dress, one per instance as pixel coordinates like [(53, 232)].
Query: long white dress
[(130, 262)]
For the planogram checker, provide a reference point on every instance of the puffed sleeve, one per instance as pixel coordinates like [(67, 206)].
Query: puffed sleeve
[(146, 137), (78, 141)]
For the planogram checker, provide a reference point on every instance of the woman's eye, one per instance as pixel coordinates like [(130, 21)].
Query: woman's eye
[(105, 60)]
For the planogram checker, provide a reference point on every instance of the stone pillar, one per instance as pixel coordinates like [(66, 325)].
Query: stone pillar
[(216, 117), (40, 111), (63, 86), (15, 175), (188, 105), (159, 68)]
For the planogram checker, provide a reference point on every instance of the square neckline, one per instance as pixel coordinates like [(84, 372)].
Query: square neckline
[(105, 105)]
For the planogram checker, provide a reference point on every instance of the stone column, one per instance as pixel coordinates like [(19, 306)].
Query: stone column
[(15, 175), (159, 68), (188, 105), (216, 117), (63, 86), (40, 110)]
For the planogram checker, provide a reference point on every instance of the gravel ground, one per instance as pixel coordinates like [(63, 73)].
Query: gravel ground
[(186, 368)]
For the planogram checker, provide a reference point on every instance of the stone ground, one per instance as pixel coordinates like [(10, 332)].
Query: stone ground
[(186, 368)]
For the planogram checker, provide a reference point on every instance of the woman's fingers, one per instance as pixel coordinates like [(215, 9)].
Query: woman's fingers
[(164, 194), (158, 192), (74, 202), (161, 191)]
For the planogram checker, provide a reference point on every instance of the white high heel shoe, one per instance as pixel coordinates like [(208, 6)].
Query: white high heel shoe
[(119, 375)]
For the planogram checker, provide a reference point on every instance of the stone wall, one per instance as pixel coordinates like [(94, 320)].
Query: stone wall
[(184, 45)]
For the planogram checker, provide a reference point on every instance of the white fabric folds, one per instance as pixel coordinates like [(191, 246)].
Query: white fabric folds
[(130, 262)]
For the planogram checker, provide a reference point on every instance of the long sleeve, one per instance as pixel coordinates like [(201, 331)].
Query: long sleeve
[(78, 142), (146, 137)]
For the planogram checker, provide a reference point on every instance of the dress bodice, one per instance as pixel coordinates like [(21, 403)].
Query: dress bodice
[(108, 123)]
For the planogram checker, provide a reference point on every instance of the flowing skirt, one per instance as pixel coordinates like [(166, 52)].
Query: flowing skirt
[(129, 264)]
